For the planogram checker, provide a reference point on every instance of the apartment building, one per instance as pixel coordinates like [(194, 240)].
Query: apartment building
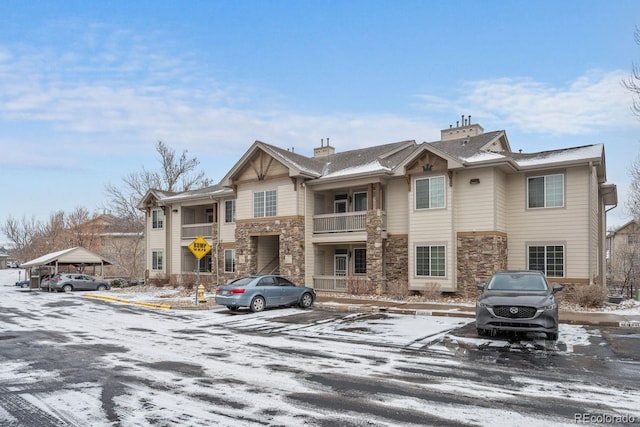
[(443, 214)]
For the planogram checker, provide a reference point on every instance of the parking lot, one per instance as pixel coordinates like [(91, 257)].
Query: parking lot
[(72, 360)]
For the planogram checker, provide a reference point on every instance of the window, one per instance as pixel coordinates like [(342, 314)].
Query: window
[(264, 203), (229, 261), (546, 191), (156, 260), (205, 263), (549, 259), (360, 261), (210, 216), (430, 192), (430, 261), (360, 202), (157, 218), (229, 211)]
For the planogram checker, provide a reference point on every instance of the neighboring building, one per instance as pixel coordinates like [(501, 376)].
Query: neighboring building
[(624, 253), (445, 214), (4, 258)]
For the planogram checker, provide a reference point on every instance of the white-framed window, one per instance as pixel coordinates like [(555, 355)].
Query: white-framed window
[(229, 211), (229, 261), (546, 258), (360, 201), (157, 259), (264, 203), (431, 261), (545, 191), (360, 261), (157, 218), (430, 192)]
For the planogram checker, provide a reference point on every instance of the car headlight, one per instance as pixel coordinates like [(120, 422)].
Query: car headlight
[(481, 304), (550, 306)]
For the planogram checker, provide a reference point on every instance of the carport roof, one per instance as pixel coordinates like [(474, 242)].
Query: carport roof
[(72, 256)]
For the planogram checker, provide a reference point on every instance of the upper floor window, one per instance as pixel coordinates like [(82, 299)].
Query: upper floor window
[(547, 258), (430, 261), (229, 211), (264, 203), (157, 218), (430, 192), (546, 191), (360, 201)]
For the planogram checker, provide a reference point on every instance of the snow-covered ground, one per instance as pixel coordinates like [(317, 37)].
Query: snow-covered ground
[(200, 368)]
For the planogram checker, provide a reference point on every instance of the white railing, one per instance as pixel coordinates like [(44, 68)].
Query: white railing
[(330, 283), (190, 231), (339, 222)]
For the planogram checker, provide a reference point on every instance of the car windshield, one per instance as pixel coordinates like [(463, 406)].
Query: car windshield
[(242, 281), (517, 282)]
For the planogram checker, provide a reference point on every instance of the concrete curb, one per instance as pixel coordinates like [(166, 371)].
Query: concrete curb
[(611, 320), (124, 301)]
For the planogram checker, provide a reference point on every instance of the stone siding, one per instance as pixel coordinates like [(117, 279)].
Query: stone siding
[(375, 250), (479, 256), (396, 263), (290, 233)]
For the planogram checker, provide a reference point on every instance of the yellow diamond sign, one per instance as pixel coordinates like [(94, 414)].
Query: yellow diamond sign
[(199, 247)]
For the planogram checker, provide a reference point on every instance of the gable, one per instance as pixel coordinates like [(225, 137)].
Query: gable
[(427, 161), (260, 166)]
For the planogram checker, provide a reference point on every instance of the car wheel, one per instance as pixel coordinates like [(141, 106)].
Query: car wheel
[(232, 307), (257, 304), (306, 301), (553, 336), (67, 288), (102, 288)]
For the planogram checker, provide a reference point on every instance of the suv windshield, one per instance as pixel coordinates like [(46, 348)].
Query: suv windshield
[(517, 282)]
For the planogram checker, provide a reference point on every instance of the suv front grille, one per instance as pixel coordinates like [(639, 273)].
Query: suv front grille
[(514, 312)]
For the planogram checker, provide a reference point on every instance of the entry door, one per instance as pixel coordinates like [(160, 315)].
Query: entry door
[(340, 265)]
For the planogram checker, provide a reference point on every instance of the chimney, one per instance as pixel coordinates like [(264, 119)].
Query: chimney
[(323, 150), (464, 129)]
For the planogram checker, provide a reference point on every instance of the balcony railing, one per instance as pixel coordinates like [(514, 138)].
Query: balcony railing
[(340, 222), (330, 283), (191, 231)]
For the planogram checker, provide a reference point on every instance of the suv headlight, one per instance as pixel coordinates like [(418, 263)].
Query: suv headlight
[(481, 304), (550, 306)]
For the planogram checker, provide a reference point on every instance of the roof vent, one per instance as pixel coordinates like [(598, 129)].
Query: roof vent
[(323, 150), (463, 129)]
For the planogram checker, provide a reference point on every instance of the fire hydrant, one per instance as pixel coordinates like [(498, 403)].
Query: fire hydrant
[(200, 296)]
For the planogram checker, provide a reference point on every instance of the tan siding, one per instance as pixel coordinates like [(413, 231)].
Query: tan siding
[(568, 225), (474, 203), (432, 226), (285, 195), (397, 206), (500, 191)]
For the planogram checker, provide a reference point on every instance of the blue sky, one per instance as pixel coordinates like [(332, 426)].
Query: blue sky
[(87, 88)]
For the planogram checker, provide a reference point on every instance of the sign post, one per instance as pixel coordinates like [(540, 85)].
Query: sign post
[(199, 248)]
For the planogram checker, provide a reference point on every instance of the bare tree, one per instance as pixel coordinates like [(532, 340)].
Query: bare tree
[(177, 173), (627, 267), (632, 83), (633, 202)]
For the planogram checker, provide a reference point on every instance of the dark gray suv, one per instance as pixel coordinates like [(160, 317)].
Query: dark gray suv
[(518, 301), (68, 282)]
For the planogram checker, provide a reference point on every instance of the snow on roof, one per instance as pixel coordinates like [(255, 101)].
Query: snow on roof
[(368, 167), (483, 156), (559, 156)]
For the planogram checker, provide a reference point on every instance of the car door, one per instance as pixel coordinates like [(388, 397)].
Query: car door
[(269, 288), (289, 292), (83, 282)]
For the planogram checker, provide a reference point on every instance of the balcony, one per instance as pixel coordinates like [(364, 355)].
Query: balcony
[(191, 231), (340, 222)]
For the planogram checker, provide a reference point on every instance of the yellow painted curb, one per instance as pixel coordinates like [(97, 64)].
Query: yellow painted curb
[(107, 298), (148, 304)]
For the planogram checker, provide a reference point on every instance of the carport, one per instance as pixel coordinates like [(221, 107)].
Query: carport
[(78, 257)]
